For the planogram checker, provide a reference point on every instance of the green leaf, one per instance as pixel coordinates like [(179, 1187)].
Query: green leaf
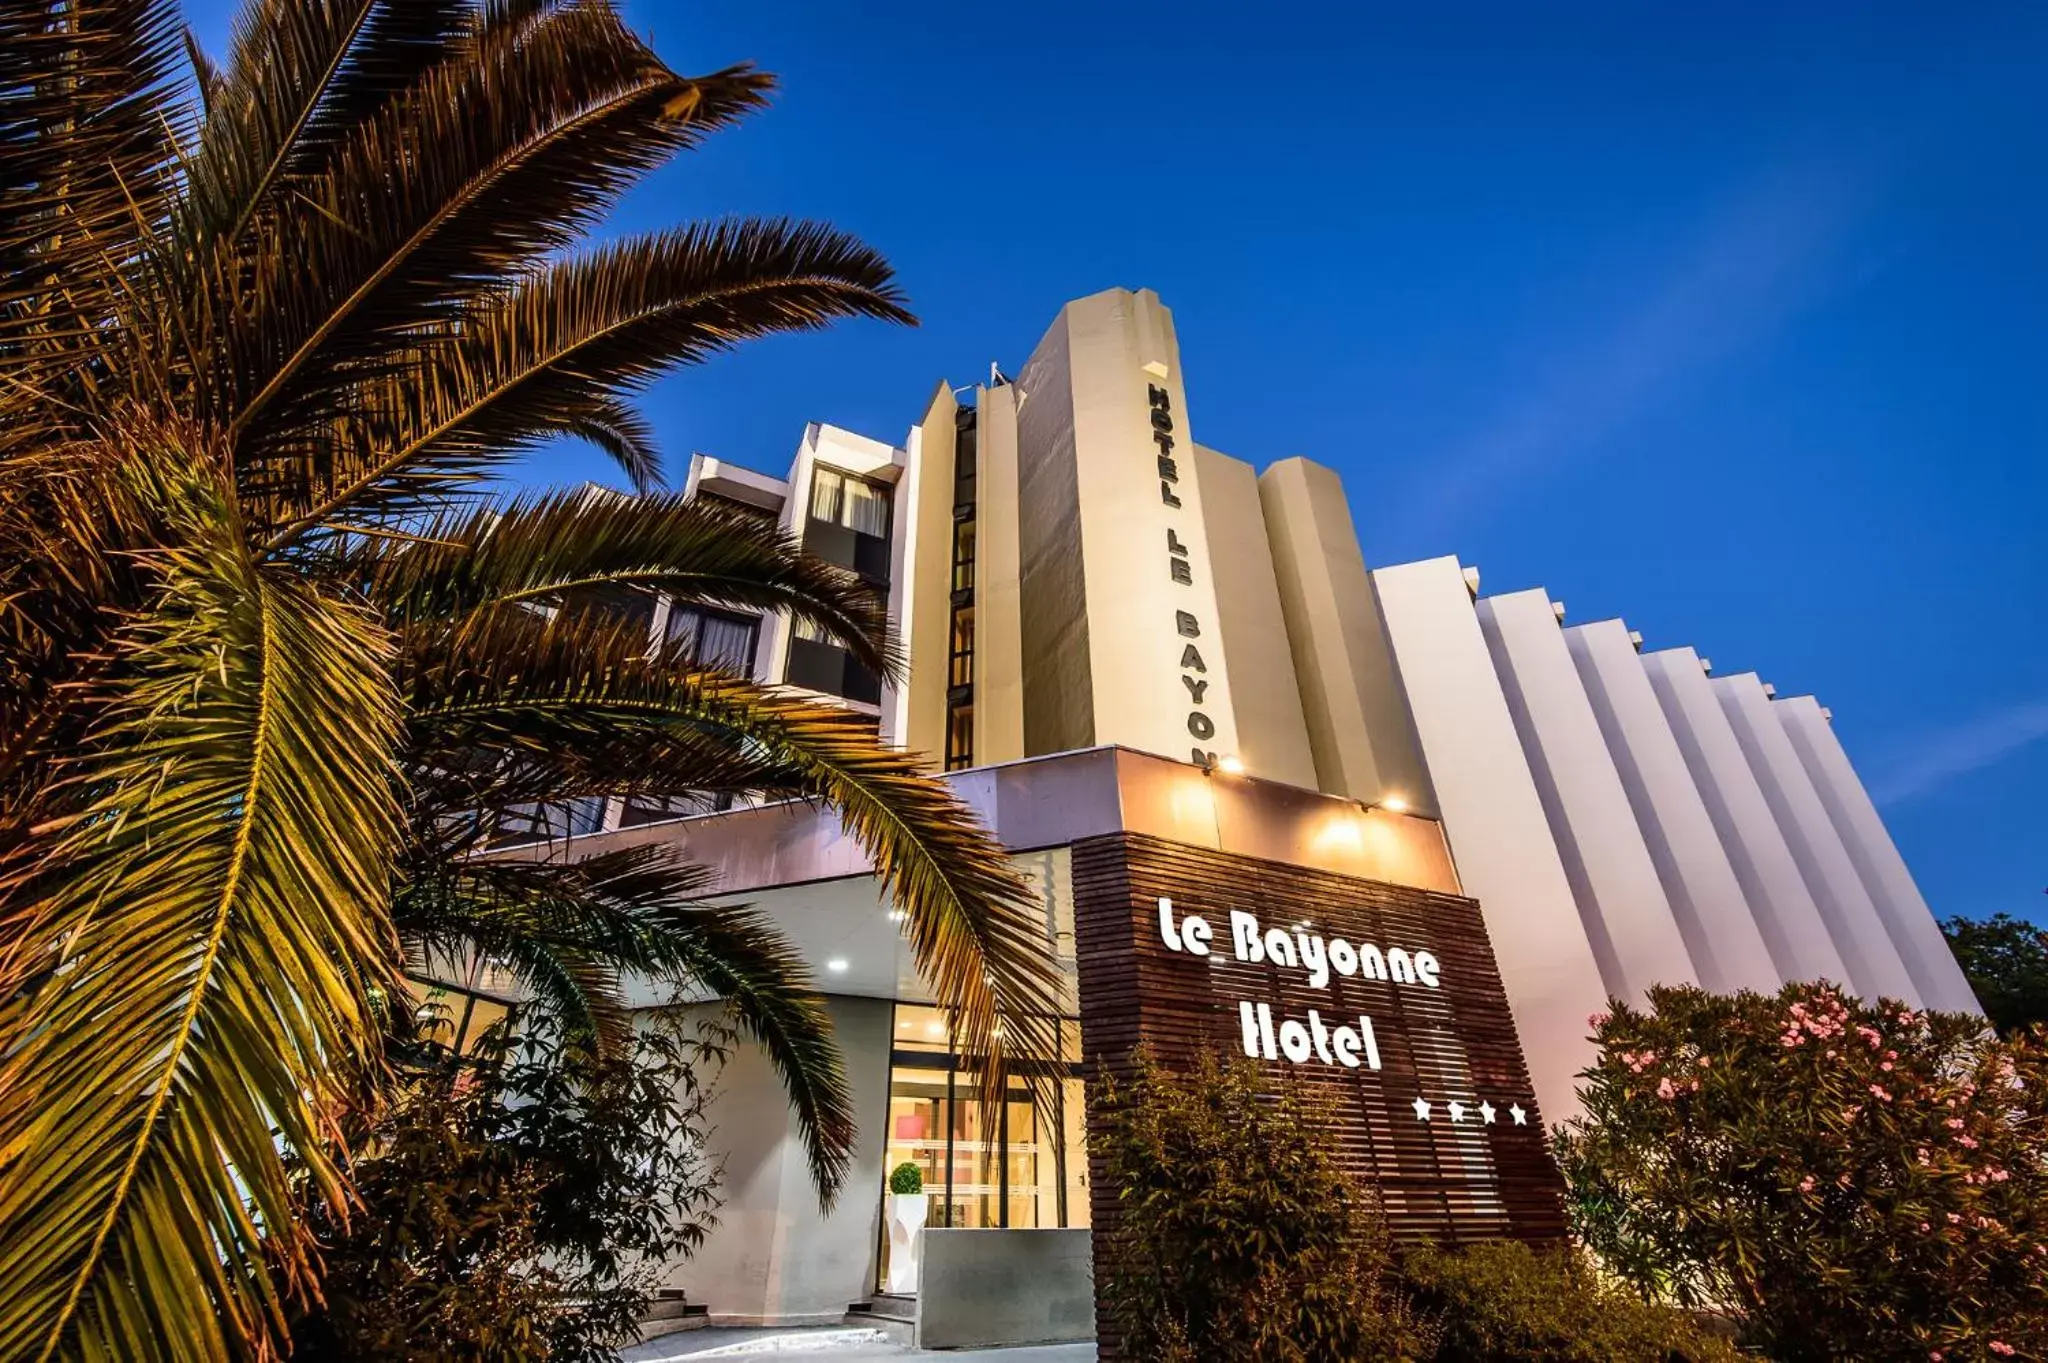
[(195, 951)]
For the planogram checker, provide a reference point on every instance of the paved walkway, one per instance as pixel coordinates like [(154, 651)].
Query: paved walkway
[(828, 1344)]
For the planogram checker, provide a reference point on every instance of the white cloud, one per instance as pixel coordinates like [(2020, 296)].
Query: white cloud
[(1949, 753)]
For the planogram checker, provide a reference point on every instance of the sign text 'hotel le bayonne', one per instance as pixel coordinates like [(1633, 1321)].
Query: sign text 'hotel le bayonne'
[(1383, 1001)]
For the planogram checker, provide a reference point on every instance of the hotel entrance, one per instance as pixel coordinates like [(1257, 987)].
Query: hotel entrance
[(1017, 1166)]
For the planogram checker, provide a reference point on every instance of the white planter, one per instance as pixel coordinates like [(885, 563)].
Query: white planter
[(906, 1213)]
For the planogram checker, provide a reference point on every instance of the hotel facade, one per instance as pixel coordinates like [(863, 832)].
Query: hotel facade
[(1174, 688)]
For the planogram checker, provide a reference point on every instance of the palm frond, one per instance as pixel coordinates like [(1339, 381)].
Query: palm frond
[(88, 126), (537, 548), (621, 432), (498, 157), (194, 956), (976, 937), (633, 907), (574, 336)]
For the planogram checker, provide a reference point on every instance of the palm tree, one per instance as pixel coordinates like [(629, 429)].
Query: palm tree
[(508, 707), (263, 332)]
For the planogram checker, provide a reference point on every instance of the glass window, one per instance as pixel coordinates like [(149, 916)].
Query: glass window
[(963, 555), (919, 1029), (959, 737), (714, 638), (1017, 1163), (843, 499), (867, 509), (825, 485)]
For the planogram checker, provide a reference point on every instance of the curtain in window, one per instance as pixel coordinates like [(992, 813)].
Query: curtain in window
[(867, 509), (727, 643), (824, 495)]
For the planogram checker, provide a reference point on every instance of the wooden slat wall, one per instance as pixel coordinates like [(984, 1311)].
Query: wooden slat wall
[(1435, 1179)]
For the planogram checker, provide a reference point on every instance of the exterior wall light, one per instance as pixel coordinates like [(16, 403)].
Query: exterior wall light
[(1230, 766), (1394, 804), (837, 965)]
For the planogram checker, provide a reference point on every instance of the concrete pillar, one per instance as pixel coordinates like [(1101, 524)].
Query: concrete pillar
[(1628, 920), (1494, 821), (1119, 614), (1358, 725), (774, 1258), (1853, 923), (1272, 740), (1883, 871), (920, 582), (1783, 907), (1721, 935), (998, 638)]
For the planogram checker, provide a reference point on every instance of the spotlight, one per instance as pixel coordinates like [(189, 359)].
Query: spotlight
[(1230, 766), (837, 965), (1394, 804)]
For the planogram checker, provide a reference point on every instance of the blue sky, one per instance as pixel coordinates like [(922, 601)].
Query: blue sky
[(1732, 320)]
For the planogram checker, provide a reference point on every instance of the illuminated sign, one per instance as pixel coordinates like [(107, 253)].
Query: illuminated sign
[(1180, 568), (1381, 1001), (1318, 958)]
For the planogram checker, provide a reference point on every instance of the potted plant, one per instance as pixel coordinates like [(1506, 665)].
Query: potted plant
[(908, 1206)]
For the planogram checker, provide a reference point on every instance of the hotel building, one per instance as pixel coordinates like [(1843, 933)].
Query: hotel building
[(1161, 674)]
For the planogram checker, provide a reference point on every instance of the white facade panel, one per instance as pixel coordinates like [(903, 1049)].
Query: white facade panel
[(1859, 934), (1721, 935), (1494, 821), (1785, 913), (1621, 899), (1878, 863)]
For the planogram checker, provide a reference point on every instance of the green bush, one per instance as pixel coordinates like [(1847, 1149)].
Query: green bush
[(1236, 1236), (906, 1180), (1503, 1302), (516, 1206)]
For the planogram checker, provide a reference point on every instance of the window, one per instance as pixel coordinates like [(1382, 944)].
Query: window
[(961, 672), (963, 554), (959, 737), (714, 638), (1019, 1164), (843, 499)]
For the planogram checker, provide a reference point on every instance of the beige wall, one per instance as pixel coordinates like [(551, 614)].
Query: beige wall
[(774, 1258), (1272, 737), (921, 581), (1358, 723), (998, 635), (1094, 370)]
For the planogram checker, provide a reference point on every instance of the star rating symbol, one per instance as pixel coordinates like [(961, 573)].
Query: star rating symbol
[(1521, 1117), (1486, 1113), (1422, 1109), (1457, 1111)]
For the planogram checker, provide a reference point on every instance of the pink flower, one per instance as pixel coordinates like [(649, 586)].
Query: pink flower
[(1880, 1094), (1704, 1062), (1934, 1355), (1924, 1228), (2001, 1348), (1597, 1020), (1954, 1123), (1806, 1184), (1967, 1142), (1954, 1219), (1998, 1175), (1664, 1090)]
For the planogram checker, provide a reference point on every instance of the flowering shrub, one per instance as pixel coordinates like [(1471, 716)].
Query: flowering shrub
[(1858, 1182)]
